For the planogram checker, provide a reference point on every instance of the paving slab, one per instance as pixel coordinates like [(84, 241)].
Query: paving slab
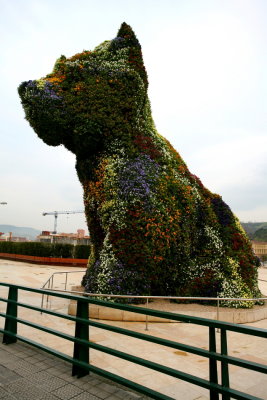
[(44, 385)]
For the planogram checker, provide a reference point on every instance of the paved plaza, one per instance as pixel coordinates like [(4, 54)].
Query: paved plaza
[(26, 373)]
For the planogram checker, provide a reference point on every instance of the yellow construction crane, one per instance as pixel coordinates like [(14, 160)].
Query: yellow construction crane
[(56, 213)]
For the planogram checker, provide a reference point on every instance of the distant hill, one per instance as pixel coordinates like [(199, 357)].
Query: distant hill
[(29, 233), (260, 235), (252, 227)]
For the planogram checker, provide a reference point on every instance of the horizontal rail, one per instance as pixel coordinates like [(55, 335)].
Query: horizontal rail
[(126, 296), (67, 272), (164, 342)]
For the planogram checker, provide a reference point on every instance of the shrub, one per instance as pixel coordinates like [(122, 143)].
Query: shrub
[(81, 251), (39, 249)]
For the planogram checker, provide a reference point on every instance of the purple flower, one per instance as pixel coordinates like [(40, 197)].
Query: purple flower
[(137, 178), (45, 93)]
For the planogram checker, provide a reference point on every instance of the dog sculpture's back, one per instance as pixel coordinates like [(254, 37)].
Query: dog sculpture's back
[(155, 229)]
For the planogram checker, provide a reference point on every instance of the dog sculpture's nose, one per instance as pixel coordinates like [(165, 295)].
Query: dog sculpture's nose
[(22, 88), (25, 85)]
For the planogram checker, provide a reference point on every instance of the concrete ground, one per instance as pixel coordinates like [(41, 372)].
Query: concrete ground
[(243, 346)]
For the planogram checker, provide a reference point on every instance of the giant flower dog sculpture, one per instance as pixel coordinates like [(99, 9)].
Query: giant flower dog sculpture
[(155, 229)]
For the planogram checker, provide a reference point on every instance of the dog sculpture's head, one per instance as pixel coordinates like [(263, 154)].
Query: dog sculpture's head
[(90, 96)]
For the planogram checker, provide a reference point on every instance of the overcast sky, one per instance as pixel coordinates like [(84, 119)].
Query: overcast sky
[(206, 62)]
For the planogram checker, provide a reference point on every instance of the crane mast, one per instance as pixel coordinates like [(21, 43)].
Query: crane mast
[(56, 213)]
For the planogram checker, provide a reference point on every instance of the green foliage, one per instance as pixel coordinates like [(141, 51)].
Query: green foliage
[(26, 248), (39, 249), (260, 235), (81, 251), (155, 229), (61, 250)]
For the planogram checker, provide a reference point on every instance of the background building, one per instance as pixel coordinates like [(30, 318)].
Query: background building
[(71, 238), (260, 249), (8, 237)]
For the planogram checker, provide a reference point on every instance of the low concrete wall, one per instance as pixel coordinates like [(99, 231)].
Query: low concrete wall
[(111, 314), (232, 315)]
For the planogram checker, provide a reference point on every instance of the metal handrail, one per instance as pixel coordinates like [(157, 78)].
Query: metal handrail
[(81, 362), (60, 272), (128, 296), (50, 283), (218, 299)]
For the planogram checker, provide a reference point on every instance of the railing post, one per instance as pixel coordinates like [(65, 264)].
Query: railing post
[(146, 329), (47, 297), (81, 352), (224, 364), (12, 310), (66, 280), (42, 302), (213, 363), (218, 311)]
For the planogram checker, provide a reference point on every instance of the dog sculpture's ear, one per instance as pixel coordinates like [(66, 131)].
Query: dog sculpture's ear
[(126, 38), (128, 35)]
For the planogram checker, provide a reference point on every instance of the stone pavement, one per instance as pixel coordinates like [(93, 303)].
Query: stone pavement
[(27, 373)]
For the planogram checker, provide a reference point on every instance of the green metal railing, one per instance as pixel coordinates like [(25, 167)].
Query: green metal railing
[(80, 360)]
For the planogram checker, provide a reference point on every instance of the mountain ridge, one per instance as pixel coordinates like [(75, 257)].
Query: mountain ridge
[(251, 228), (22, 231)]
